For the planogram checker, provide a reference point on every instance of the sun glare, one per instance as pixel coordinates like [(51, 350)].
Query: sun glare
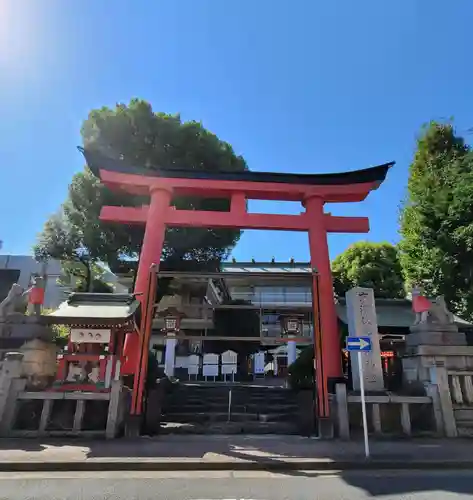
[(18, 35)]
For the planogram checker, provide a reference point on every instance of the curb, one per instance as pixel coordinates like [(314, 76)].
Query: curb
[(264, 465)]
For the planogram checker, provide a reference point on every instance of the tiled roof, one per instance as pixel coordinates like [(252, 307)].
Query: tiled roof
[(263, 267), (111, 307)]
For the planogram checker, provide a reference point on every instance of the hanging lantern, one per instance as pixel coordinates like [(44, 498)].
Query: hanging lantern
[(172, 324), (291, 325)]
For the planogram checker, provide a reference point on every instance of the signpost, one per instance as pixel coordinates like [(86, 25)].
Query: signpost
[(361, 344)]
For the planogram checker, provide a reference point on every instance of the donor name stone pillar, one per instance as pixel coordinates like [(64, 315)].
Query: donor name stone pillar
[(362, 322)]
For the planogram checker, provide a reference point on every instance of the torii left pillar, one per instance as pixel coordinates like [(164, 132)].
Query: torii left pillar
[(153, 241), (151, 251), (320, 261)]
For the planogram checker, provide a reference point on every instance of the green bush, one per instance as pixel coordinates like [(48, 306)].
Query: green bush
[(60, 332), (301, 372)]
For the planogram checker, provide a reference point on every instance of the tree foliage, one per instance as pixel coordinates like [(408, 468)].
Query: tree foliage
[(437, 218), (75, 277), (61, 239), (301, 372), (371, 265), (152, 140)]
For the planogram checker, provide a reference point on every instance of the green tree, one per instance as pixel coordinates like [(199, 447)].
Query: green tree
[(437, 219), (64, 241), (144, 138), (371, 265), (74, 275)]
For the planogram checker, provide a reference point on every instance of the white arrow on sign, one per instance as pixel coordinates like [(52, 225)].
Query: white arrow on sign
[(361, 343)]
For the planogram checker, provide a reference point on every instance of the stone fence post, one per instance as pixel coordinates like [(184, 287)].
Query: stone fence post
[(432, 391), (113, 417), (10, 385), (341, 400), (439, 377)]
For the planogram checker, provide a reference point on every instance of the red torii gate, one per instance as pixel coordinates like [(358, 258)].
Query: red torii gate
[(313, 191)]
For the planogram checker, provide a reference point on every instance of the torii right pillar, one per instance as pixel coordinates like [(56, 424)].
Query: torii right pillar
[(320, 261)]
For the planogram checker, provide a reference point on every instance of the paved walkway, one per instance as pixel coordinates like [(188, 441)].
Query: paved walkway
[(229, 452)]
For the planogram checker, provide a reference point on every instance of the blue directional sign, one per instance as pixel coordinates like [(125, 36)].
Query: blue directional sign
[(359, 344)]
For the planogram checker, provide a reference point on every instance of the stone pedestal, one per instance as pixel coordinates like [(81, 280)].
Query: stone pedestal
[(435, 335), (17, 329), (432, 345), (434, 354)]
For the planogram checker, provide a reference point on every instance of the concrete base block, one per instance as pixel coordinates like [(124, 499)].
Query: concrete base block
[(435, 338), (325, 426)]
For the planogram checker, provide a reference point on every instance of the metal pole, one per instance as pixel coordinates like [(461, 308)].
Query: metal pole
[(363, 405), (229, 404)]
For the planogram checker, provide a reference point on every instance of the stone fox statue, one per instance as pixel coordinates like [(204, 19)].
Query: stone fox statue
[(18, 299), (14, 302), (428, 311)]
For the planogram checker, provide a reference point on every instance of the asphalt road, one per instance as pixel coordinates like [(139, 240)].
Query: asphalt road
[(237, 485)]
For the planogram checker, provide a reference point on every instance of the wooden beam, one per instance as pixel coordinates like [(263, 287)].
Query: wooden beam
[(124, 215), (196, 218), (337, 224)]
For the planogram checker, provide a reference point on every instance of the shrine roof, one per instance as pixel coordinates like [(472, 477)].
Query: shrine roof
[(97, 161), (266, 267), (96, 308)]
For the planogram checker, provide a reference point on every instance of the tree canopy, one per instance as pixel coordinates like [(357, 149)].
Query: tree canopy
[(371, 265), (437, 218), (138, 135)]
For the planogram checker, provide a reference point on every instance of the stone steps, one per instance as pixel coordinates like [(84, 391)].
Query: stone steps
[(235, 402), (235, 408), (203, 409), (224, 394), (234, 417), (283, 428), (246, 398)]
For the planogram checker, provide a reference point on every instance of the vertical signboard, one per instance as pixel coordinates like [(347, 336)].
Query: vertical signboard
[(362, 322)]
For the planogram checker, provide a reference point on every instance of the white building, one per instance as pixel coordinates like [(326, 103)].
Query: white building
[(22, 268)]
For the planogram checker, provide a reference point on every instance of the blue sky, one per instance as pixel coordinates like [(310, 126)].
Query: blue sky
[(301, 86)]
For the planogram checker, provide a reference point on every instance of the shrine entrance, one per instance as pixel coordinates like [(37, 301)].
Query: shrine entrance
[(313, 191), (220, 327)]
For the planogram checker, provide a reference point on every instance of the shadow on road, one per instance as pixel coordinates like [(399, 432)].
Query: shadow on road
[(384, 483), (271, 452)]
